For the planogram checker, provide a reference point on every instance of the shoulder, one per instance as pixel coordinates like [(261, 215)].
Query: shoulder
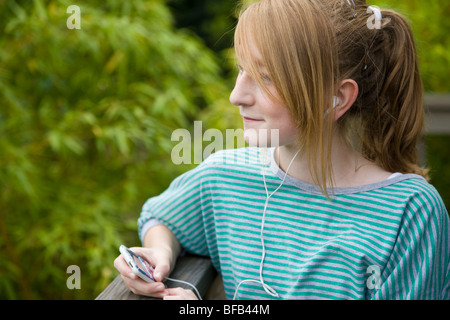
[(423, 201), (241, 163), (420, 190), (207, 169)]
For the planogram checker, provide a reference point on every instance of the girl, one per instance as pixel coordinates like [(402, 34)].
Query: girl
[(337, 207)]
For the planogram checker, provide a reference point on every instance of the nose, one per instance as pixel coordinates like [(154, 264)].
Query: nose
[(244, 89)]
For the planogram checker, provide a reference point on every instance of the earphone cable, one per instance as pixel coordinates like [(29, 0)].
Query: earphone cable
[(266, 287)]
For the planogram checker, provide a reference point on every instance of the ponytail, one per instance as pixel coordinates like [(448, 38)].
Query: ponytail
[(389, 108)]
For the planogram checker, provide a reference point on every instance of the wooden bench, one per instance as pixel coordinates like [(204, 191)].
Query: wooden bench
[(437, 120), (437, 113), (193, 269)]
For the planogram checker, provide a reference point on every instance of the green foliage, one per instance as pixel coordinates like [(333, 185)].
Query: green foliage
[(85, 124), (213, 21), (430, 24)]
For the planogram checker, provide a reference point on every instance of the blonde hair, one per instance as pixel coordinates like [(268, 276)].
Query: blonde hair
[(308, 47)]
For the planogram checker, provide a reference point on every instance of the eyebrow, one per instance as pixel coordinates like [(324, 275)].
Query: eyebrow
[(259, 63)]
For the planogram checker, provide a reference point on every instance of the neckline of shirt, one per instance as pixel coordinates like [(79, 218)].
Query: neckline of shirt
[(277, 171)]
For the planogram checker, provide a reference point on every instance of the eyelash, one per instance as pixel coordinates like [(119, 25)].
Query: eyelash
[(264, 77)]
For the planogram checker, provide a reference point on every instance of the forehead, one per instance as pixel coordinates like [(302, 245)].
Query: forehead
[(247, 53), (251, 35)]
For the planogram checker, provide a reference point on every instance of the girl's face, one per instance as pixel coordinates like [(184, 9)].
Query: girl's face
[(267, 121)]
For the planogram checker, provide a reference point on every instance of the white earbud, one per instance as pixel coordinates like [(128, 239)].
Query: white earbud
[(336, 101)]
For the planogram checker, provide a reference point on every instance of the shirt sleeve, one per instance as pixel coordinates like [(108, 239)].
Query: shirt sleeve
[(418, 268), (181, 207), (147, 226)]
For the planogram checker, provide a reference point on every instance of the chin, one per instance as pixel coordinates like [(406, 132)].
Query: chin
[(262, 138)]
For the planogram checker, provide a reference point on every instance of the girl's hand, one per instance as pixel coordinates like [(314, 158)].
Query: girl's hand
[(179, 294), (158, 258)]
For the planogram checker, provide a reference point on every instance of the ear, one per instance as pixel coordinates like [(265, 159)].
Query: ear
[(347, 94)]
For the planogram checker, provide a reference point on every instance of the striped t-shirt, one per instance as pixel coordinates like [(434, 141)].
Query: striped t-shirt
[(387, 240)]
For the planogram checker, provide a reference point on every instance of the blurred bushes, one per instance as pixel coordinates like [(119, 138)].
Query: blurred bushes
[(85, 124), (430, 24)]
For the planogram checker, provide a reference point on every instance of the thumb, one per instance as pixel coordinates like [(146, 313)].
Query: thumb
[(160, 262), (161, 271)]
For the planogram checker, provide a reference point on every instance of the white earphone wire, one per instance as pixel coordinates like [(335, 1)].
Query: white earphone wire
[(189, 284), (266, 287)]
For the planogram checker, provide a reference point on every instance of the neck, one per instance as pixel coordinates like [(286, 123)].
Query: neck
[(350, 168)]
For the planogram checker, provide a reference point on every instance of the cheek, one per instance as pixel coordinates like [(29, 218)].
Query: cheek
[(278, 130), (288, 134), (282, 121)]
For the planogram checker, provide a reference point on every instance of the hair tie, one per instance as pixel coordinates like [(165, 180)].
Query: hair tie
[(376, 21), (377, 12)]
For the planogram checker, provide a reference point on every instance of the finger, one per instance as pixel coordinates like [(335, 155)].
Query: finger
[(174, 294), (168, 297), (179, 297), (141, 287), (121, 266), (148, 254), (156, 289), (160, 263), (180, 294), (161, 271), (143, 252)]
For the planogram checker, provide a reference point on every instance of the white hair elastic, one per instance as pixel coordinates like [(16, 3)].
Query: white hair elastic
[(377, 12)]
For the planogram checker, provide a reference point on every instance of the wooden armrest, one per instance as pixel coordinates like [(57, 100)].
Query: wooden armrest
[(193, 269)]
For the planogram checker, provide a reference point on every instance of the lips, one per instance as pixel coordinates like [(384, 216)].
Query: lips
[(249, 119)]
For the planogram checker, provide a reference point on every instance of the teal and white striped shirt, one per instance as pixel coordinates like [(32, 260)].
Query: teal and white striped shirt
[(388, 240)]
